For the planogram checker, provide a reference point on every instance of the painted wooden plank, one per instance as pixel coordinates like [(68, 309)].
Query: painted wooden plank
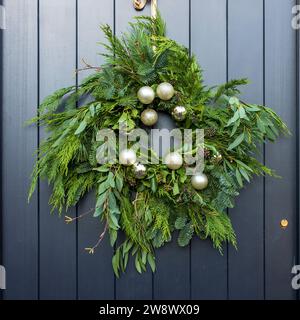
[(281, 194), (95, 274), (245, 60), (20, 228), (1, 144), (131, 285), (298, 138), (208, 266), (172, 278), (57, 66)]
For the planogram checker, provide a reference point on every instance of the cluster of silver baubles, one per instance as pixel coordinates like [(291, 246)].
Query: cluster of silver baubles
[(165, 91), (149, 117)]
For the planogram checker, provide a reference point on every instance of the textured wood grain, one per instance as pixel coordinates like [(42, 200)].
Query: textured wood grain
[(20, 219), (245, 60), (131, 285), (172, 279), (57, 55), (95, 274), (281, 197), (208, 266)]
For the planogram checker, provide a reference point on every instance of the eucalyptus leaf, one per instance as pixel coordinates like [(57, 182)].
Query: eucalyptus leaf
[(237, 141)]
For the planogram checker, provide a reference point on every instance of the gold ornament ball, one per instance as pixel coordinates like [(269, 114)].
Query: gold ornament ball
[(149, 117), (146, 95), (179, 113), (165, 91), (139, 170), (174, 160), (127, 157), (199, 181)]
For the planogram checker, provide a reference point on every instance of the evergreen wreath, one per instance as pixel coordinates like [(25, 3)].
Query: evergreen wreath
[(164, 200)]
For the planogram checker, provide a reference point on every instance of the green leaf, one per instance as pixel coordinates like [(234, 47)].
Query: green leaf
[(260, 125), (111, 180), (236, 142), (81, 127), (112, 203), (119, 182), (113, 222), (101, 169), (243, 165), (239, 177), (113, 235), (144, 257), (151, 261), (176, 189), (234, 101), (253, 108), (180, 222), (116, 262), (235, 117), (100, 205), (185, 235), (103, 187), (92, 110), (242, 113), (137, 264), (127, 246), (234, 128), (153, 184), (244, 174)]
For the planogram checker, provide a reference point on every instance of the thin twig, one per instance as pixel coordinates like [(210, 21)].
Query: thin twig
[(88, 67), (101, 237), (69, 219)]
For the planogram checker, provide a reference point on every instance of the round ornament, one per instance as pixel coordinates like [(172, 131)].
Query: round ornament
[(149, 117), (179, 113), (139, 170), (146, 95), (199, 181), (174, 160), (165, 91), (127, 157)]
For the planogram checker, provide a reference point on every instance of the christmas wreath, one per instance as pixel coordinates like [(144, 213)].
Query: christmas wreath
[(147, 73)]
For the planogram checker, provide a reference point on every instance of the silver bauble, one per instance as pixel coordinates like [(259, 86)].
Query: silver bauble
[(179, 113), (127, 157), (146, 95), (199, 181), (149, 117), (165, 91), (139, 170), (174, 160)]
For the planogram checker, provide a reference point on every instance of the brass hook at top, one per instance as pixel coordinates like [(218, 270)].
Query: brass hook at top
[(141, 4)]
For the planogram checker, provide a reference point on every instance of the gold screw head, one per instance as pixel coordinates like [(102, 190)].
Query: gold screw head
[(284, 223)]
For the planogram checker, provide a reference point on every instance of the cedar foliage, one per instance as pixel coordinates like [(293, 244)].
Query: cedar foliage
[(164, 200)]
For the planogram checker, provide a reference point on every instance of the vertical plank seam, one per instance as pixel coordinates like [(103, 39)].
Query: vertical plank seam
[(190, 245), (264, 153), (76, 82), (1, 145), (114, 248), (38, 145), (227, 78), (297, 145)]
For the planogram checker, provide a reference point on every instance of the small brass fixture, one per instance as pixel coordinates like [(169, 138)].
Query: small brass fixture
[(284, 223)]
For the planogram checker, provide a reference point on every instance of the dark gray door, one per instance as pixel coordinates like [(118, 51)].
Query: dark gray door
[(43, 44)]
